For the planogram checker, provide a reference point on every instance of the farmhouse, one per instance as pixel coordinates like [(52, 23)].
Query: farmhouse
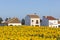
[(49, 21), (32, 20), (13, 22)]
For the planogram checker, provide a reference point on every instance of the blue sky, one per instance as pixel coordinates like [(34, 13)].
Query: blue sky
[(20, 8)]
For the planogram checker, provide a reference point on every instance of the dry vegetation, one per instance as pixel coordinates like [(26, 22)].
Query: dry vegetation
[(29, 33)]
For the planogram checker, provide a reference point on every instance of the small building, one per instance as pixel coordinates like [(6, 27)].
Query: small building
[(32, 20), (13, 22), (49, 21)]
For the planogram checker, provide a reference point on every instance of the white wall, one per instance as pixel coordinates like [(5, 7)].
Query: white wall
[(34, 21), (14, 24), (53, 23)]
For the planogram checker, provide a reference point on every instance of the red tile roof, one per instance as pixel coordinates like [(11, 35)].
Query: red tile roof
[(50, 18)]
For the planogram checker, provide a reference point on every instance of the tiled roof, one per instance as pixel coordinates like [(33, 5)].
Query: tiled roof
[(13, 20), (50, 18), (33, 16)]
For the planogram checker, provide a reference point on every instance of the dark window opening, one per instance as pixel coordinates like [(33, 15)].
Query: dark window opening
[(37, 22), (32, 21)]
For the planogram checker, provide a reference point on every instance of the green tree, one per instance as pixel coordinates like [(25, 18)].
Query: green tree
[(23, 21), (6, 19)]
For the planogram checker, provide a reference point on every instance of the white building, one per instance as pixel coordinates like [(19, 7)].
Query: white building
[(13, 22), (32, 20), (49, 21)]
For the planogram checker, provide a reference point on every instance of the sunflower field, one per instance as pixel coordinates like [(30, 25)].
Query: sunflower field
[(29, 33)]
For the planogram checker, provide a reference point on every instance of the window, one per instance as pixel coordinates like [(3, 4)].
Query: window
[(36, 21), (32, 21)]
